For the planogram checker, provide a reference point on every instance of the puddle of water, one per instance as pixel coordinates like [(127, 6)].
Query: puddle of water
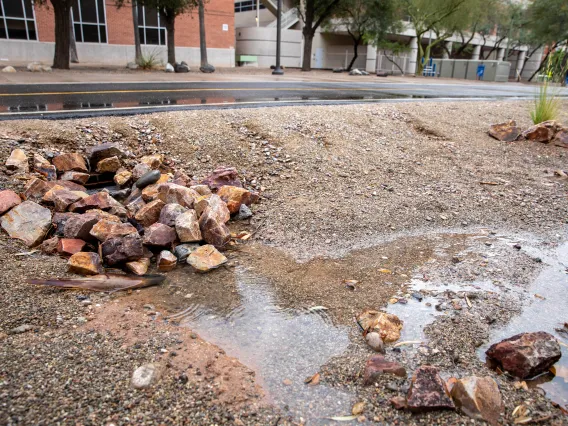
[(544, 315), (415, 315), (284, 345)]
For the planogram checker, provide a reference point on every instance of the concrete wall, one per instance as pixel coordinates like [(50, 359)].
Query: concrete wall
[(248, 19), (16, 51), (261, 42), (335, 51)]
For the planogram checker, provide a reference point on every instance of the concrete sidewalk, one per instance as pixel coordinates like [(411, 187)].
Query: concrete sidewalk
[(90, 74)]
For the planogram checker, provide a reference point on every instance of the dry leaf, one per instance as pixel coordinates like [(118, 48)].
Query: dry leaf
[(314, 380), (539, 296), (350, 284), (343, 418), (408, 342), (26, 253), (468, 302), (385, 271)]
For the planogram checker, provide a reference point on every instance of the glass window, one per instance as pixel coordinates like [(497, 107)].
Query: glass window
[(248, 5), (89, 21), (17, 20), (150, 26)]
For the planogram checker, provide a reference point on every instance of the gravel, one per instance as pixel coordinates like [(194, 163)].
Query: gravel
[(333, 179)]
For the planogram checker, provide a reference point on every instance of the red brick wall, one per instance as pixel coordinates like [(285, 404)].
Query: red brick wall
[(120, 29)]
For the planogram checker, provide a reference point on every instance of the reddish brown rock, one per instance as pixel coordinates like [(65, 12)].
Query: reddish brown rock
[(102, 151), (35, 189), (70, 161), (140, 170), (70, 246), (561, 138), (187, 227), (206, 258), (428, 391), (507, 131), (8, 200), (72, 186), (166, 261), (149, 213), (170, 212), (539, 133), (218, 207), (213, 230), (172, 193), (124, 249), (28, 222), (377, 365), (18, 161), (181, 178), (79, 226), (153, 161), (478, 398), (138, 267), (77, 177), (222, 176), (526, 355), (105, 229), (48, 196), (59, 220), (398, 402), (122, 177), (85, 263), (63, 198), (201, 189), (49, 246), (100, 200), (44, 167), (108, 165), (234, 196), (150, 193), (159, 235), (134, 205)]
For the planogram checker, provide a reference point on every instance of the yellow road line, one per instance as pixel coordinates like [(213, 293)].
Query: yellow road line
[(295, 89)]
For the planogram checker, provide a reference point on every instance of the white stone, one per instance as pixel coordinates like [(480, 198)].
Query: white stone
[(169, 68), (9, 69), (144, 376)]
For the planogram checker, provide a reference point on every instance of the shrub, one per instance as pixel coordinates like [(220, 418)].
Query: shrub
[(149, 60), (546, 105)]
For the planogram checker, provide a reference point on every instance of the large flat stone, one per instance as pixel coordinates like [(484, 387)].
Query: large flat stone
[(28, 222)]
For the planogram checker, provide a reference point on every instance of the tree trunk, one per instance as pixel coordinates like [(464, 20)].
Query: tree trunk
[(307, 58), (205, 66), (543, 61), (356, 42), (420, 55), (61, 10), (137, 47), (170, 27), (72, 44)]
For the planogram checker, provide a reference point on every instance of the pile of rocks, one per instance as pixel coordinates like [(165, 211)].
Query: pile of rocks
[(545, 132), (523, 356), (101, 212)]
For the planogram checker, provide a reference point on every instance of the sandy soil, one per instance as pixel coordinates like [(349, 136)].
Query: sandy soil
[(355, 181)]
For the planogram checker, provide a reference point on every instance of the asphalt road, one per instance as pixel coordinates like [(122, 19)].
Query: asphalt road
[(65, 100)]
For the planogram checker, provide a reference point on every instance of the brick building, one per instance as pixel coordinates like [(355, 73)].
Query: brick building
[(105, 34)]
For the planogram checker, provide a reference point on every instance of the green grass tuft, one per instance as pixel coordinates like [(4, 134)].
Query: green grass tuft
[(149, 60), (546, 105)]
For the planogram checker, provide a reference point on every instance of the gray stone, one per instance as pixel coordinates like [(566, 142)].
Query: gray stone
[(181, 68), (20, 329), (244, 212), (148, 179), (375, 342), (28, 222), (182, 251), (207, 68), (132, 66)]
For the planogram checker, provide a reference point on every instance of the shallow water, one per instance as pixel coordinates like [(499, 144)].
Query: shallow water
[(545, 314), (283, 345)]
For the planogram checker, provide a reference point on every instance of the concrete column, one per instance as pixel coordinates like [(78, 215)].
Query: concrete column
[(500, 54), (411, 68), (520, 61), (476, 52), (370, 66), (449, 48), (532, 64)]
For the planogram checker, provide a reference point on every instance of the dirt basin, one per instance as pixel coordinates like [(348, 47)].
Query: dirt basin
[(403, 199)]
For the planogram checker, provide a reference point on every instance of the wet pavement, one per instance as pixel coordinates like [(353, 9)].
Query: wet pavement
[(288, 320), (64, 100)]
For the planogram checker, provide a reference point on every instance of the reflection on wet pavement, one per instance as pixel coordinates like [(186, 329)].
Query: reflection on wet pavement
[(284, 346)]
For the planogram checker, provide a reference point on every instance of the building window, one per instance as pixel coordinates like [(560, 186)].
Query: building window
[(17, 20), (150, 26), (245, 6), (89, 21)]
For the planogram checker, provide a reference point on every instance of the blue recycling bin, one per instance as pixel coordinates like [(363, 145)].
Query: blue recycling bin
[(480, 71)]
